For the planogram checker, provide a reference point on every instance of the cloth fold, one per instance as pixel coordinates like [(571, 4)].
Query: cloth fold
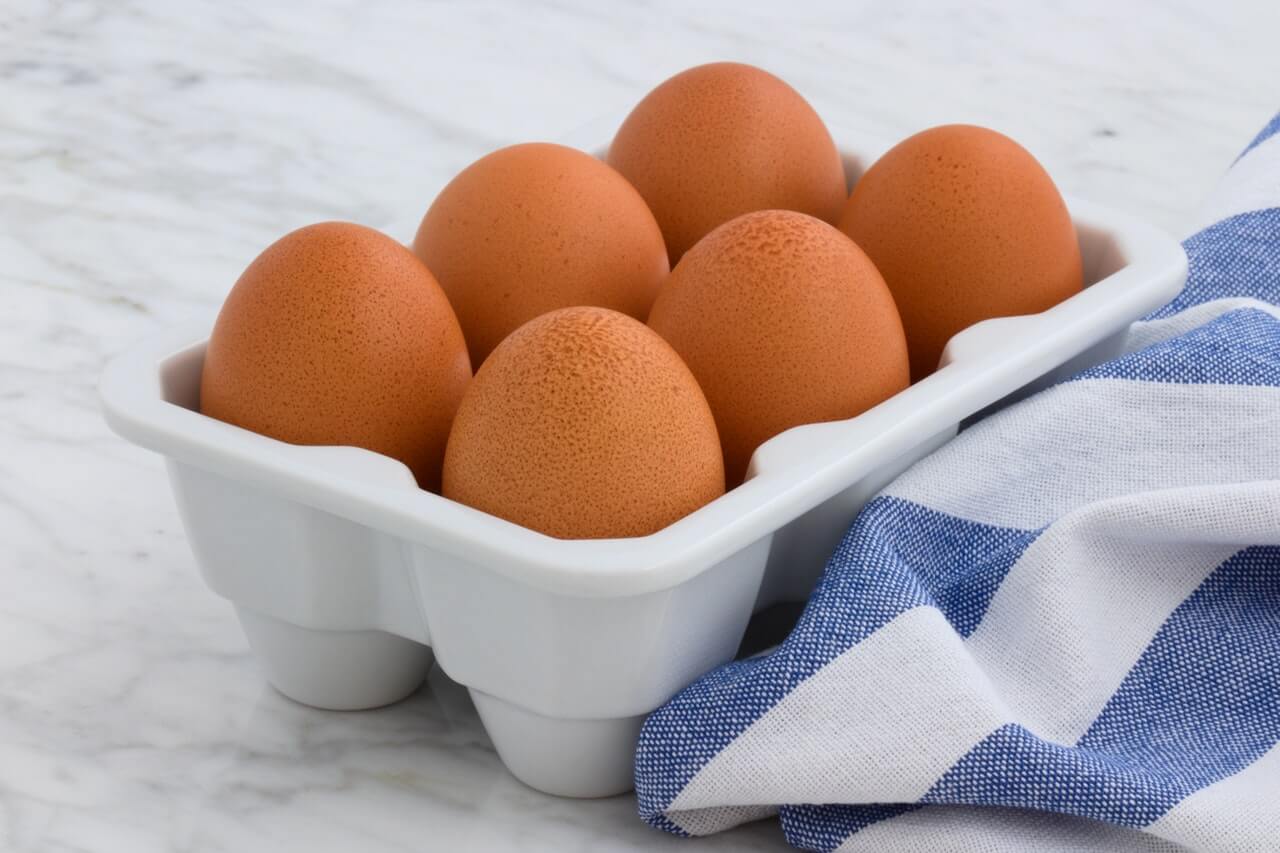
[(1059, 632)]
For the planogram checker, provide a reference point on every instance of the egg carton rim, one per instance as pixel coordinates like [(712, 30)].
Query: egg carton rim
[(789, 474)]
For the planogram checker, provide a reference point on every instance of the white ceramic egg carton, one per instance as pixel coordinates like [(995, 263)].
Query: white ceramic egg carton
[(347, 577)]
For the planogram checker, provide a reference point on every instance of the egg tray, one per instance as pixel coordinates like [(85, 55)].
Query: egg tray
[(348, 579)]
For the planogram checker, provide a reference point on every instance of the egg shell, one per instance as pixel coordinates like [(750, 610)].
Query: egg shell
[(964, 225), (535, 227), (784, 321), (724, 139), (337, 335), (584, 424)]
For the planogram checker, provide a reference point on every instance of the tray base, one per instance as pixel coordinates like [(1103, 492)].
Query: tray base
[(568, 758), (336, 670)]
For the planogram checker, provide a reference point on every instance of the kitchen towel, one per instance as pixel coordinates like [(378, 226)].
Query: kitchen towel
[(1061, 632)]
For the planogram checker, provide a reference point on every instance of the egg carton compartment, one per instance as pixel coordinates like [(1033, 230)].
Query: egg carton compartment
[(349, 580)]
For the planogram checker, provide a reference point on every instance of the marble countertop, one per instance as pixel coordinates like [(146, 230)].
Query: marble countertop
[(149, 150)]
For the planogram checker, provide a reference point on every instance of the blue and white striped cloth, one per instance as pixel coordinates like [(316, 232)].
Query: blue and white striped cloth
[(1061, 632)]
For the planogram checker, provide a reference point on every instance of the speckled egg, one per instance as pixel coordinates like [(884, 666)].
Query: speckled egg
[(725, 139), (784, 321), (535, 227), (338, 335), (964, 225), (584, 424)]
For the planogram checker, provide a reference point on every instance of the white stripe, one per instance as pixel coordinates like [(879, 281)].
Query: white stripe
[(701, 822), (956, 829), (1144, 334), (1252, 184), (1094, 439), (880, 723), (1077, 611), (1240, 814), (1084, 601)]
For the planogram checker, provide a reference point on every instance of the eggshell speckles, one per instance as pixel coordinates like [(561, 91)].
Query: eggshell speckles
[(584, 424), (784, 321), (725, 139), (964, 225), (535, 227), (338, 335)]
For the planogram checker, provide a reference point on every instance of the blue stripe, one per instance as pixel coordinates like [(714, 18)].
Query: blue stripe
[(1239, 348), (663, 823), (1271, 129), (898, 555), (1235, 257), (1201, 704), (824, 828)]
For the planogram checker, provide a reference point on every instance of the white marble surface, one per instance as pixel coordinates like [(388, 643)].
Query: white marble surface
[(149, 150)]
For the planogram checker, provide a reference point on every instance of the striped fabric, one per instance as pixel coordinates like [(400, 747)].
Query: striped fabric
[(1061, 632)]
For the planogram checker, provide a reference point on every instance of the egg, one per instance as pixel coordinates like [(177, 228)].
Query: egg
[(584, 424), (964, 225), (337, 335), (783, 321), (535, 227), (721, 140)]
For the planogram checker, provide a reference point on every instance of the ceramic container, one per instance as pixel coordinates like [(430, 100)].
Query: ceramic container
[(348, 579)]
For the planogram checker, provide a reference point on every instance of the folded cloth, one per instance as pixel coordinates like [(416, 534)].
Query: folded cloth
[(1060, 632)]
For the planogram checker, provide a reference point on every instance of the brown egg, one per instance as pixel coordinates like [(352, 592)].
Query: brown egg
[(338, 335), (725, 139), (964, 225), (584, 424), (536, 227), (784, 321)]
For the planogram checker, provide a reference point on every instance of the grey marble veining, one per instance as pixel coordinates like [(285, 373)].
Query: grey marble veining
[(149, 150)]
